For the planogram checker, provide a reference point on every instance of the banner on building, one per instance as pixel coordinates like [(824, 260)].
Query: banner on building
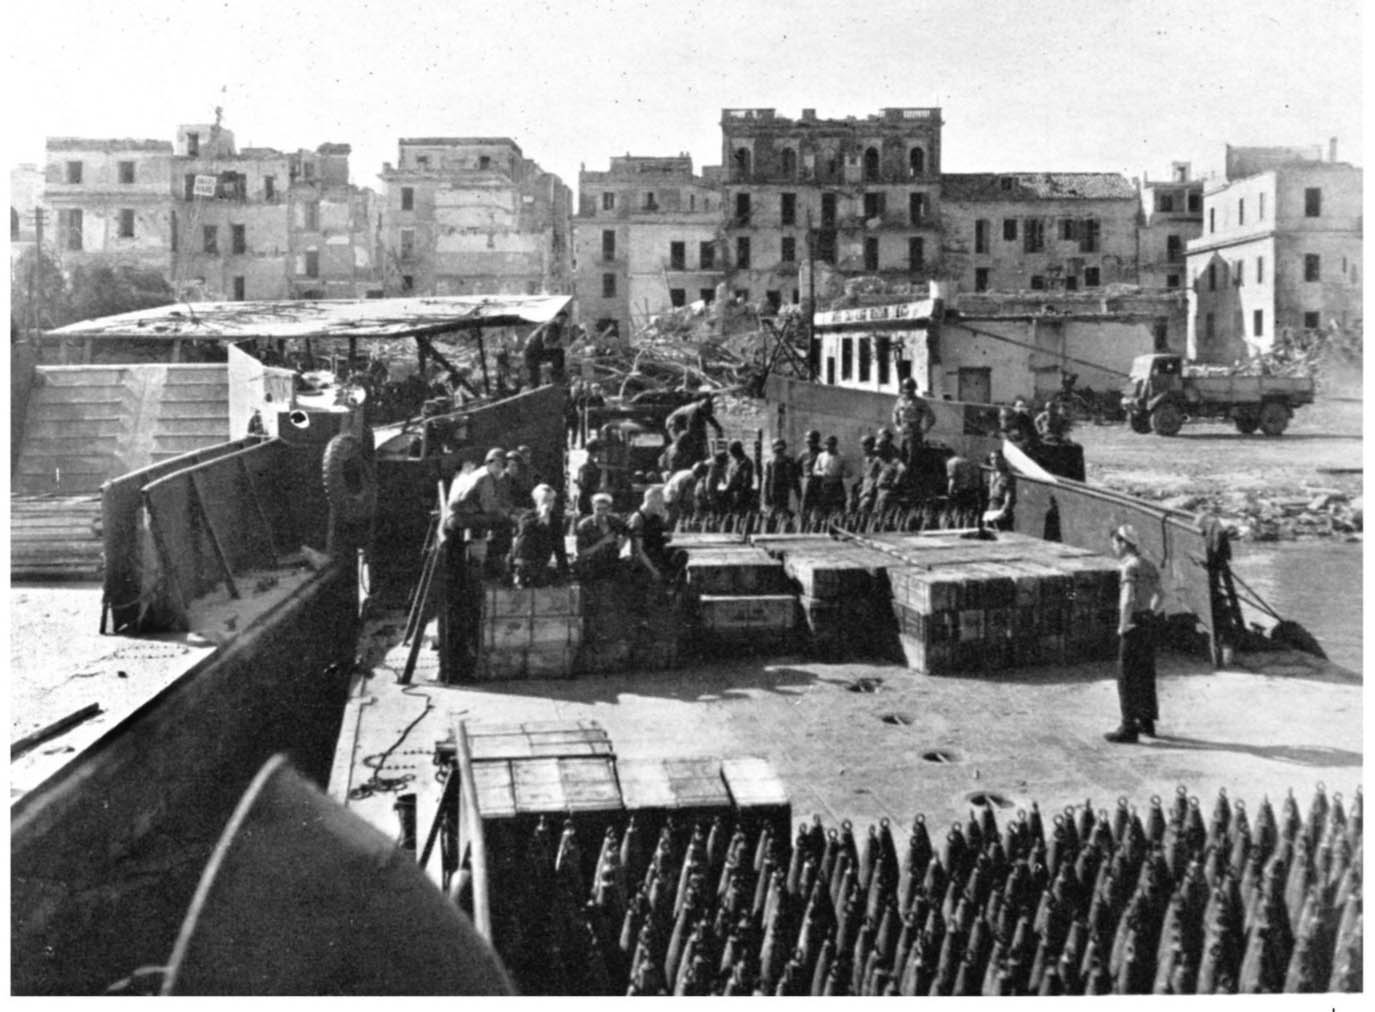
[(204, 185)]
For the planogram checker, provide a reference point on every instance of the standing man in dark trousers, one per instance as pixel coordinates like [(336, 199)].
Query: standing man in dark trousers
[(1136, 627), (806, 461)]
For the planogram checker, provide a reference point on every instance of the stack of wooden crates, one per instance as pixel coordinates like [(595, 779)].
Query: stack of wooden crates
[(533, 632), (741, 597), (983, 606)]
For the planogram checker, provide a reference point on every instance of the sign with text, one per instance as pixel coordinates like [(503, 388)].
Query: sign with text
[(204, 185)]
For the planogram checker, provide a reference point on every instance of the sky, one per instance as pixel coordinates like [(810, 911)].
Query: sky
[(1093, 85)]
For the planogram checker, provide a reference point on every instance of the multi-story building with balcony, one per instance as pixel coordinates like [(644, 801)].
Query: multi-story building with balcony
[(860, 195), (109, 202), (647, 238), (1012, 231), (1280, 251), (473, 215), (1171, 217)]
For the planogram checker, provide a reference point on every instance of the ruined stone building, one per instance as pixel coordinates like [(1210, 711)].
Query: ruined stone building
[(866, 192), (647, 238), (1280, 251), (1171, 217), (219, 222), (108, 201), (473, 215), (1038, 231)]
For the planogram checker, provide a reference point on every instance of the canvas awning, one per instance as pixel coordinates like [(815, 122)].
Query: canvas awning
[(357, 318)]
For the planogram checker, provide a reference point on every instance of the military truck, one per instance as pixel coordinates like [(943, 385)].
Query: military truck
[(1165, 391)]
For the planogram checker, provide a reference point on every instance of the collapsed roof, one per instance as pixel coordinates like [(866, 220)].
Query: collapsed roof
[(363, 318)]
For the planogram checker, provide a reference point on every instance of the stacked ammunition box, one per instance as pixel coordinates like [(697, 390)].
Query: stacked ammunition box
[(628, 625), (1043, 605), (741, 597), (530, 633), (842, 597)]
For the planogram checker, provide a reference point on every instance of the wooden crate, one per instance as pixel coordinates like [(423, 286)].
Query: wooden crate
[(758, 796), (746, 615), (741, 570), (512, 632), (514, 602), (538, 739)]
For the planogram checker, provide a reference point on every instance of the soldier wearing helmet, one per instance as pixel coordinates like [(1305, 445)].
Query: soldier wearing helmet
[(913, 418)]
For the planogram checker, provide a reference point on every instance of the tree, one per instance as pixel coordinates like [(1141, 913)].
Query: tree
[(42, 296)]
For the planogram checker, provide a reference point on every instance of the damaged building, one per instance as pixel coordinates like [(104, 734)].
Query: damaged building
[(1171, 217), (1280, 251), (1038, 231), (108, 201), (865, 192), (219, 222), (647, 239), (473, 216)]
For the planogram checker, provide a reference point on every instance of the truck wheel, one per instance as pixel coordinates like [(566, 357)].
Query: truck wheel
[(1167, 419), (1274, 418), (1140, 422), (1247, 422)]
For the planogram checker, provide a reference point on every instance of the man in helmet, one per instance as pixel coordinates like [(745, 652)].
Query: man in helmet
[(913, 418)]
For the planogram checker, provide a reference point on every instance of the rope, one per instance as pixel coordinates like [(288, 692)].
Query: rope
[(378, 784)]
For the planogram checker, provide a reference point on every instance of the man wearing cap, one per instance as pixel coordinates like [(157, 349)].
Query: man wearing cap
[(1140, 598), (780, 480), (599, 538), (479, 502), (830, 471), (806, 463), (865, 491), (912, 417)]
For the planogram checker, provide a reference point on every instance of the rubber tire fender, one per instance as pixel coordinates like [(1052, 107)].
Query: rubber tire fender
[(350, 482)]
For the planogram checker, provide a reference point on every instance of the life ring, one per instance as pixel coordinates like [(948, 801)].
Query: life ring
[(350, 484)]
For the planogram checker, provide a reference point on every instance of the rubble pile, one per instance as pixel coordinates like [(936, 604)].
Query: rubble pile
[(1316, 353), (1252, 516), (1168, 900), (724, 348)]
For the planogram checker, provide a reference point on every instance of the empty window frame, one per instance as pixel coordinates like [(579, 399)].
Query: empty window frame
[(1034, 235), (74, 171), (238, 239), (126, 223), (1009, 230), (742, 208), (1091, 277), (126, 172), (408, 198), (608, 286), (871, 253), (608, 244), (312, 263), (1312, 202), (742, 251), (1312, 267), (608, 201), (981, 279), (916, 253), (789, 249), (706, 255), (981, 236), (677, 256), (210, 239), (787, 208)]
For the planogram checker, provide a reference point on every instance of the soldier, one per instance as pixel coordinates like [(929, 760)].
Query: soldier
[(479, 502), (886, 448), (806, 462), (889, 484), (1002, 493), (1139, 601), (1018, 426), (680, 488), (599, 538), (865, 491), (913, 418), (649, 539), (780, 480), (589, 477), (1051, 424), (739, 492), (830, 471)]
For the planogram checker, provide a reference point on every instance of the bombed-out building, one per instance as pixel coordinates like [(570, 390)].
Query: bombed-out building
[(1280, 251), (647, 238), (1171, 217), (472, 216), (1038, 231), (864, 193)]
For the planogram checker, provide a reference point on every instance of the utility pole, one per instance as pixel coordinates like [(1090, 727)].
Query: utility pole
[(811, 298), (38, 214)]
